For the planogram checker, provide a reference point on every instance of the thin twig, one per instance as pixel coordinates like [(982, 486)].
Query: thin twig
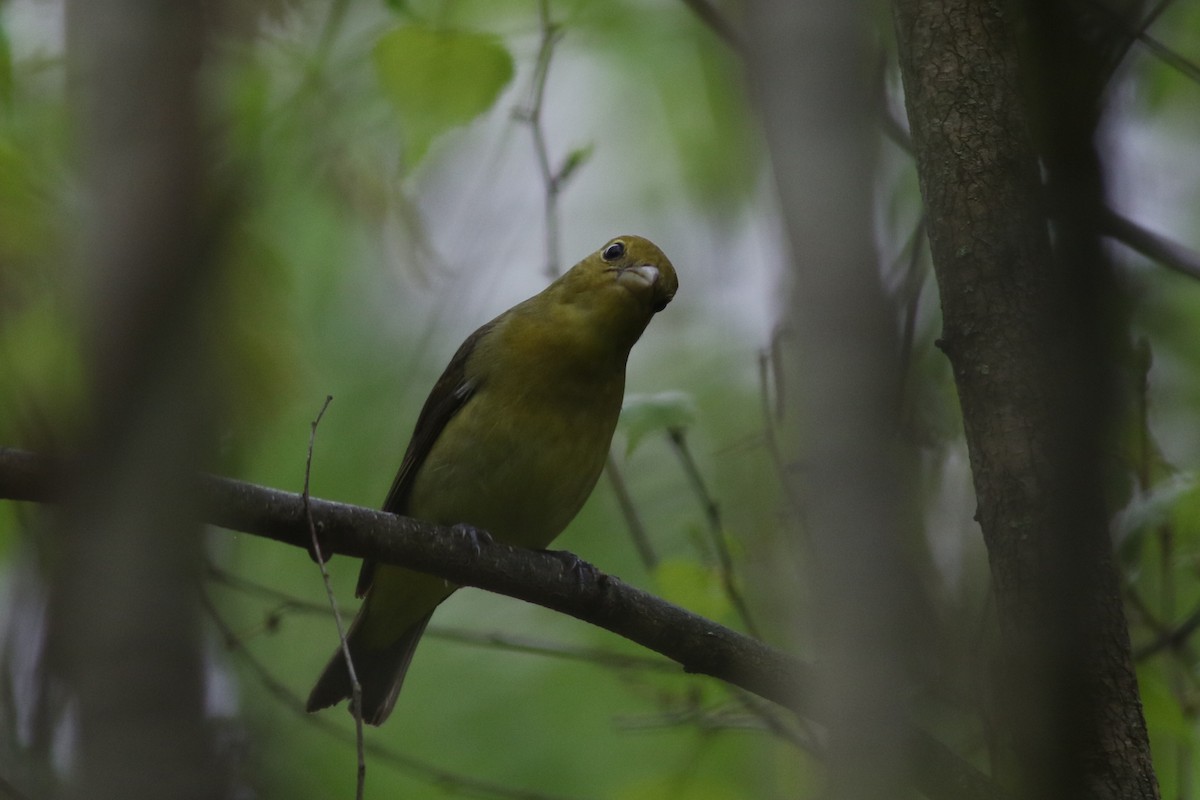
[(1148, 616), (286, 601), (1167, 252), (633, 520), (802, 736), (1168, 55), (1172, 58), (489, 639), (724, 718), (914, 280), (355, 688), (720, 718), (532, 115), (1132, 36), (1153, 246), (330, 30), (771, 399), (1171, 638), (413, 767), (716, 529), (770, 434), (717, 23), (520, 644), (552, 183)]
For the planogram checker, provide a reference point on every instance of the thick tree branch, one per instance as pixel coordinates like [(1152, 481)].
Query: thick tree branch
[(699, 645)]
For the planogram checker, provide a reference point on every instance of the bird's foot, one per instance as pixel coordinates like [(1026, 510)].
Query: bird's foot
[(478, 538), (572, 564)]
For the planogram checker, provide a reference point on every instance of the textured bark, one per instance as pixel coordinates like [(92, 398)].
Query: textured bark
[(1023, 329)]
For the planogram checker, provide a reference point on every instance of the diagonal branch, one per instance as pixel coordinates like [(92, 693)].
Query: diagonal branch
[(698, 645), (1156, 247), (716, 21)]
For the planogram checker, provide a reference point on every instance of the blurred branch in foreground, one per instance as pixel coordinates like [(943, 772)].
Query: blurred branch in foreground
[(123, 633), (816, 104)]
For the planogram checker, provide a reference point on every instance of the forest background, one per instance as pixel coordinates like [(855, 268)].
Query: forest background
[(371, 181)]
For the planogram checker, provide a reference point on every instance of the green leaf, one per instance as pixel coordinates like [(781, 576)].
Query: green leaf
[(439, 79), (643, 414), (574, 160)]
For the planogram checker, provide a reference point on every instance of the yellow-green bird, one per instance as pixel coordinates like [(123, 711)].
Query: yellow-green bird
[(511, 440)]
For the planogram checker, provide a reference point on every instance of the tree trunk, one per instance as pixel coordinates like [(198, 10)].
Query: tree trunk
[(1024, 327)]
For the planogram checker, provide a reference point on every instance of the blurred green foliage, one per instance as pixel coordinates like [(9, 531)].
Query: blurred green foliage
[(439, 79), (385, 202)]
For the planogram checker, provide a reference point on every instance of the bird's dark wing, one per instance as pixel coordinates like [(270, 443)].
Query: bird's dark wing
[(451, 392)]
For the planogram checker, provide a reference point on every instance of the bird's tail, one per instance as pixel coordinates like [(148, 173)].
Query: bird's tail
[(380, 672)]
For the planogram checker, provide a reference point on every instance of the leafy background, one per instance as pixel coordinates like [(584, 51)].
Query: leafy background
[(388, 200)]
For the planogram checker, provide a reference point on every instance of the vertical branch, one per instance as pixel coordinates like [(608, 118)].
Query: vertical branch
[(533, 116), (124, 617), (716, 529), (355, 686), (816, 100), (552, 182), (914, 281), (637, 530)]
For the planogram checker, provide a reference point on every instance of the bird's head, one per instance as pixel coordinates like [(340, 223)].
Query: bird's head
[(629, 275)]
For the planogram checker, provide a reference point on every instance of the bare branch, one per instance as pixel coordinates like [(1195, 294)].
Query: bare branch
[(717, 23), (698, 645), (1158, 248), (1153, 246), (633, 520), (456, 783), (553, 181), (716, 528), (315, 552), (532, 116)]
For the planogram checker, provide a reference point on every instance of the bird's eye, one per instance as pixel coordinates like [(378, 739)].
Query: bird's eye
[(613, 251)]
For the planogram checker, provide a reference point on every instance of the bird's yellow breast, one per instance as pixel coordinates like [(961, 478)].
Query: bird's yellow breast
[(524, 453)]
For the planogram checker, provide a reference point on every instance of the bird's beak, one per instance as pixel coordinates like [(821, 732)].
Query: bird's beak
[(643, 275)]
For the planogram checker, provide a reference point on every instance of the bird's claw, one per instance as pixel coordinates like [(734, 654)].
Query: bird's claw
[(476, 537), (584, 572)]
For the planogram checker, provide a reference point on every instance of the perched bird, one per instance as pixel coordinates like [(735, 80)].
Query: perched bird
[(511, 440)]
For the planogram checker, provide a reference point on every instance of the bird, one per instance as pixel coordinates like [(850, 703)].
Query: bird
[(510, 442)]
